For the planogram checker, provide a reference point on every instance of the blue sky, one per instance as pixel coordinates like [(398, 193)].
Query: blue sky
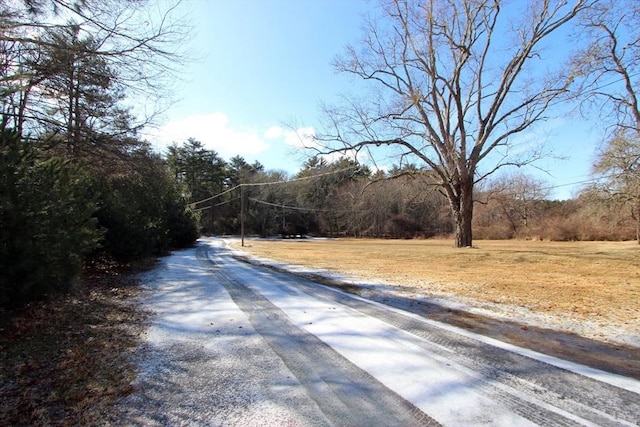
[(267, 64)]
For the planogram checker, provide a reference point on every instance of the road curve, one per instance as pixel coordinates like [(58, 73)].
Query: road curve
[(236, 344)]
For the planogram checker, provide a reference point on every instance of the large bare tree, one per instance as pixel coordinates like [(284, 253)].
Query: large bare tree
[(454, 81), (619, 163), (610, 67)]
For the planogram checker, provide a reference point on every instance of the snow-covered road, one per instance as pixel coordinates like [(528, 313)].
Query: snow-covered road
[(235, 344)]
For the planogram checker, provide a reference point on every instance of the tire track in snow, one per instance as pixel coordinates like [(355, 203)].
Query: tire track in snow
[(346, 394), (542, 393), (594, 401)]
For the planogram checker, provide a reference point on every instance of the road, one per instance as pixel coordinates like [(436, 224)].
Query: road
[(235, 344)]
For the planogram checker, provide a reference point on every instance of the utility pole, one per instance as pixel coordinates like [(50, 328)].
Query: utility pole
[(283, 221), (242, 214)]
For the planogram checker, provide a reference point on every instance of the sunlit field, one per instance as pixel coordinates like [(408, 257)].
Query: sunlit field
[(594, 280)]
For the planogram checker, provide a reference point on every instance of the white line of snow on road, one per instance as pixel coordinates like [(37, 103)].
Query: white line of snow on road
[(447, 391), (599, 375)]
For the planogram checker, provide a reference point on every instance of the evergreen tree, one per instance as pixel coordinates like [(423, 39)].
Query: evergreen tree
[(202, 174), (142, 210), (46, 222)]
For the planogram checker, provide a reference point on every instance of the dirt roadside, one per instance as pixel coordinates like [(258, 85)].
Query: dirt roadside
[(68, 360)]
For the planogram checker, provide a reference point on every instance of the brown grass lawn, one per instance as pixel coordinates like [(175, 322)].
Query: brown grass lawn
[(598, 281)]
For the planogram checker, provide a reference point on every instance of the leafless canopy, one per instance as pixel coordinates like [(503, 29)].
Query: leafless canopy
[(609, 68), (455, 81), (610, 63), (138, 43)]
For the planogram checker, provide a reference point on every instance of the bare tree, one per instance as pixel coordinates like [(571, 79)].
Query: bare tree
[(517, 196), (619, 163), (610, 64), (455, 81), (610, 67), (134, 46)]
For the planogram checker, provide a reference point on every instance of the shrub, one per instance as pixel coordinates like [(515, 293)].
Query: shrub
[(46, 223), (401, 226), (142, 211)]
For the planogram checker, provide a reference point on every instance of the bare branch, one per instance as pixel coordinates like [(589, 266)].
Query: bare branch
[(457, 80)]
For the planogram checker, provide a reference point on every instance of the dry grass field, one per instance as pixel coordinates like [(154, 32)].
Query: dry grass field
[(595, 281)]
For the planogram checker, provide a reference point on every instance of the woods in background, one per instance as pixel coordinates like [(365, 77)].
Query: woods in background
[(343, 198)]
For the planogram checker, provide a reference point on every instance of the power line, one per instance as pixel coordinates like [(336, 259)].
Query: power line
[(293, 208), (260, 184), (552, 187), (298, 208), (551, 104), (586, 181), (216, 205), (213, 197)]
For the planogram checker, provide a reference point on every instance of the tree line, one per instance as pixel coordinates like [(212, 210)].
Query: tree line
[(346, 199)]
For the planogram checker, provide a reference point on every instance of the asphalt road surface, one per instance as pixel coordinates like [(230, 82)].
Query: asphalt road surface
[(233, 344)]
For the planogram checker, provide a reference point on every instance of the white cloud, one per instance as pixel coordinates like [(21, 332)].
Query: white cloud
[(273, 132), (213, 131), (303, 137)]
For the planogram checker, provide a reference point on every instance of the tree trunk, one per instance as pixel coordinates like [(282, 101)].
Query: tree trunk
[(638, 220), (70, 109), (463, 215)]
